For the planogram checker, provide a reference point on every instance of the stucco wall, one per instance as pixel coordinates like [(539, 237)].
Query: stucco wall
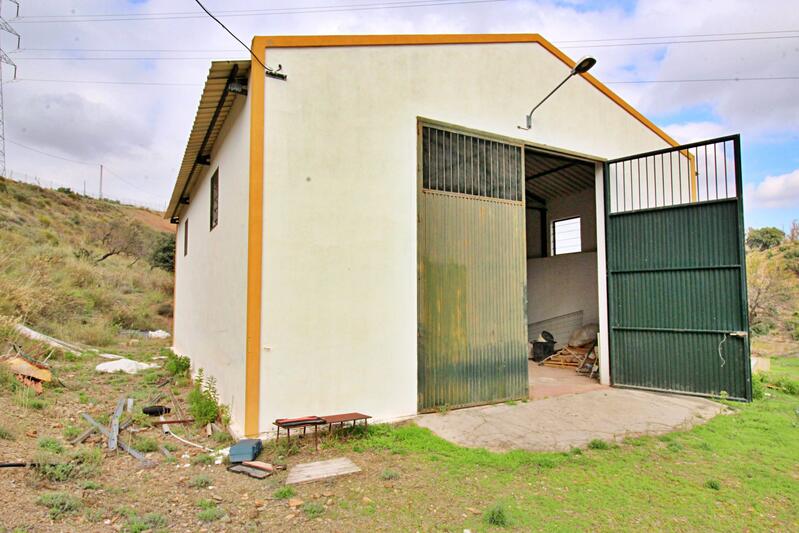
[(340, 312), (210, 282)]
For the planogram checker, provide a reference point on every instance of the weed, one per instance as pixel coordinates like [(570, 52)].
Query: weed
[(209, 512), (200, 482), (93, 515), (149, 522), (70, 432), (81, 463), (26, 398), (284, 493), (145, 444), (170, 447), (389, 475), (576, 451), (203, 400), (313, 509), (497, 516), (90, 485), (6, 434), (59, 503), (712, 484), (202, 459), (598, 444), (176, 365), (223, 438), (51, 445)]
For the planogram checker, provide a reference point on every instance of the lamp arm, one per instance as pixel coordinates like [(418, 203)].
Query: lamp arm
[(550, 94)]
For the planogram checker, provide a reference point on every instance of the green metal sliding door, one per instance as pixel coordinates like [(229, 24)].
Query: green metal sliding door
[(676, 271), (472, 271)]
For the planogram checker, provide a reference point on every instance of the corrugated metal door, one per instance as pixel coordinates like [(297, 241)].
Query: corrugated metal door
[(676, 270), (472, 271)]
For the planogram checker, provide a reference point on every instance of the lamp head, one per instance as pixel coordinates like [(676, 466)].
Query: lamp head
[(584, 65)]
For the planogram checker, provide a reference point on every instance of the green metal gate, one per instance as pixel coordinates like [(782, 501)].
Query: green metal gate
[(676, 270), (472, 271)]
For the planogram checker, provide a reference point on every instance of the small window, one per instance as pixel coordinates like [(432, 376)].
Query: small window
[(566, 236), (215, 199), (186, 237)]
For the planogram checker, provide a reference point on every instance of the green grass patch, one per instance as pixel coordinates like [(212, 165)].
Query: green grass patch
[(59, 503), (389, 475), (598, 444), (313, 509), (81, 463), (49, 444), (145, 444), (70, 432), (209, 511), (202, 459), (497, 516), (284, 493), (148, 522), (200, 482)]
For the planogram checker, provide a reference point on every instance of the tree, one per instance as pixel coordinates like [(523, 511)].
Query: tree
[(163, 254), (116, 238), (764, 238), (771, 288), (793, 233)]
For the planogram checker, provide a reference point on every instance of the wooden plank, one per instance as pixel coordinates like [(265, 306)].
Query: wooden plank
[(132, 451), (112, 438), (309, 472), (85, 435)]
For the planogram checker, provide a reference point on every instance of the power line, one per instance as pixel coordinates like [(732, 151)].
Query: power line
[(661, 43), (252, 54), (684, 36), (120, 17), (706, 80), (205, 58), (32, 149), (159, 84)]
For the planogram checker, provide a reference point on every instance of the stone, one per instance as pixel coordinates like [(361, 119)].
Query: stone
[(295, 502)]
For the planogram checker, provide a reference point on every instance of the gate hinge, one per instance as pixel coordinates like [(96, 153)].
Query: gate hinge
[(741, 334)]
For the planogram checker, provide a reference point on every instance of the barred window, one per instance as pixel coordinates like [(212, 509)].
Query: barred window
[(215, 199), (458, 163)]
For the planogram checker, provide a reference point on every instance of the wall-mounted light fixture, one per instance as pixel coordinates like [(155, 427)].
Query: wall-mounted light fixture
[(584, 65)]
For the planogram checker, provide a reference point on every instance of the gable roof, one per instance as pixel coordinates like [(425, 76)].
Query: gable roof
[(220, 69)]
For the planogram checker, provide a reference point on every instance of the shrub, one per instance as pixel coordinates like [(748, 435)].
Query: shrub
[(90, 485), (284, 493), (177, 365), (758, 387), (203, 401), (149, 522), (712, 484), (788, 385), (761, 328), (163, 254), (49, 444), (209, 511), (497, 516), (59, 503), (6, 434)]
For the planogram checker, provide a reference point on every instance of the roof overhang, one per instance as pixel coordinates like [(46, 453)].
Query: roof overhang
[(215, 104)]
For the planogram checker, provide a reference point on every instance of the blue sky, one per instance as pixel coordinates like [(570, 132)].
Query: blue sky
[(138, 132)]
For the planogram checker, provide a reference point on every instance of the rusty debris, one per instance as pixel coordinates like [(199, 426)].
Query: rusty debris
[(28, 371)]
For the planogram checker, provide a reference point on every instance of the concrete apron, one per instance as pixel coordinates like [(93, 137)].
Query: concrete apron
[(565, 422)]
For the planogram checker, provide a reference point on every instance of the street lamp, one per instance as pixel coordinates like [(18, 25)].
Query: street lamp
[(584, 65)]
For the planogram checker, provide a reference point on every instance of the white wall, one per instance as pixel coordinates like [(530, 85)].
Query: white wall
[(210, 282), (340, 264), (562, 284)]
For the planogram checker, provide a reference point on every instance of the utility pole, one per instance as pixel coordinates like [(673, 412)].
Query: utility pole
[(101, 181), (5, 26)]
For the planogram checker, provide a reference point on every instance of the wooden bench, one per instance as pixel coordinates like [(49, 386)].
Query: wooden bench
[(315, 421)]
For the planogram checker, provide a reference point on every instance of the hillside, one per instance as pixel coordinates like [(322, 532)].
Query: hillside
[(82, 269)]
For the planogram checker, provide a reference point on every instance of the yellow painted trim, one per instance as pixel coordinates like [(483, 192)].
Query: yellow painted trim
[(310, 41), (255, 232)]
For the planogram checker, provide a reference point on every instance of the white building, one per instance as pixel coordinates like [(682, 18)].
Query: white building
[(366, 234)]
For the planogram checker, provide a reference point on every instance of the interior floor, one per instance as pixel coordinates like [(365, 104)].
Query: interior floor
[(549, 382)]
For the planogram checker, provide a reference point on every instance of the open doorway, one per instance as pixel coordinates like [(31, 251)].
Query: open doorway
[(563, 302)]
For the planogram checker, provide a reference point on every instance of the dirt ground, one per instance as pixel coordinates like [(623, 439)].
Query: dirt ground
[(123, 489)]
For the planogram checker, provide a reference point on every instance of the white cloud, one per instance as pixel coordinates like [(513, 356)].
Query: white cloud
[(688, 132), (774, 192)]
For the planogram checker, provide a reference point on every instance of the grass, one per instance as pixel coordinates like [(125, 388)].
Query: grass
[(284, 493), (145, 444), (389, 475), (200, 482), (313, 509), (209, 512), (81, 463), (598, 444), (148, 522), (59, 503), (497, 516), (743, 465), (50, 444), (202, 459), (6, 434)]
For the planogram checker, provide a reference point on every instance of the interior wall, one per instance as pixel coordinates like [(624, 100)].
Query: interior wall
[(564, 284)]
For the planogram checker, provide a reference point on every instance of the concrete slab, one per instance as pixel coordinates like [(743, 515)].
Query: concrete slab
[(565, 422)]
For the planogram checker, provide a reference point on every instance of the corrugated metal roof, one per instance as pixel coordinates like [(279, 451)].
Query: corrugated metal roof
[(549, 176), (212, 93)]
